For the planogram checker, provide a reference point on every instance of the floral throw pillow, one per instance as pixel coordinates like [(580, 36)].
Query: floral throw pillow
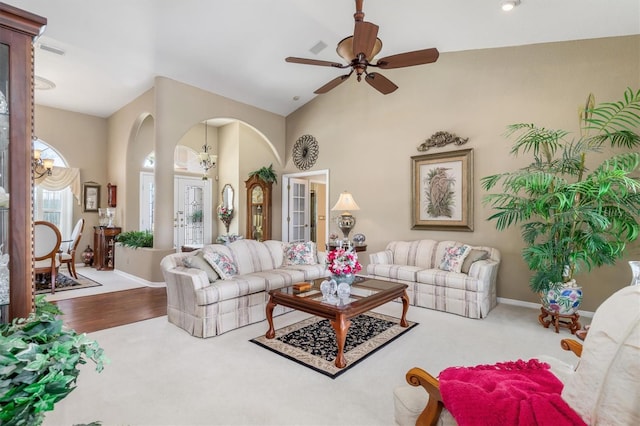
[(222, 264), (453, 257), (300, 253)]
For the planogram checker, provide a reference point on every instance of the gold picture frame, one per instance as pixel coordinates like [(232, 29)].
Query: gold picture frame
[(443, 191)]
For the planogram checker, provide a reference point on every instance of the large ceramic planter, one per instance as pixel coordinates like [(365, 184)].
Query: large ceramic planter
[(564, 300)]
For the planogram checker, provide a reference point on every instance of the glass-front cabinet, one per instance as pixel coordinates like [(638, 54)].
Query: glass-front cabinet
[(258, 209), (18, 29)]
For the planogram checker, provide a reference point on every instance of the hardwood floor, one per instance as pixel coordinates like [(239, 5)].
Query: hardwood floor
[(93, 313)]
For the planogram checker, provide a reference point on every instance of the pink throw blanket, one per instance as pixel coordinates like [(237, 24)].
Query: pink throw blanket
[(510, 393)]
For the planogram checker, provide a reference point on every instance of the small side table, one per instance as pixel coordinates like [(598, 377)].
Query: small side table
[(356, 247), (569, 321)]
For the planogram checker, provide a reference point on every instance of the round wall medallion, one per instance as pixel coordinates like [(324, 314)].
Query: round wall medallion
[(305, 152)]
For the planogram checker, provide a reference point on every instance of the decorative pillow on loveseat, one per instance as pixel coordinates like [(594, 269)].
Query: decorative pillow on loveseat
[(222, 264), (453, 257), (300, 253), (197, 261), (473, 256)]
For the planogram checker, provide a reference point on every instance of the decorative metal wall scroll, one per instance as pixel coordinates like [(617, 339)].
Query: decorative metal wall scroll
[(305, 152), (440, 139)]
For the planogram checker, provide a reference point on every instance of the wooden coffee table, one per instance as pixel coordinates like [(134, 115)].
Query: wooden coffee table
[(365, 296)]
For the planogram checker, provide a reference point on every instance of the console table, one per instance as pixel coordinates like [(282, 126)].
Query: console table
[(104, 240)]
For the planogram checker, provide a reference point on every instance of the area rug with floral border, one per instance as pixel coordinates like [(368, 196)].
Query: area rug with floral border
[(312, 342)]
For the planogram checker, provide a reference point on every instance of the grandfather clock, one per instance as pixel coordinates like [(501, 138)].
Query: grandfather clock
[(258, 209)]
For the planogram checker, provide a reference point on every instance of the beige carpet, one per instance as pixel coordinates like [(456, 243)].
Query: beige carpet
[(160, 375)]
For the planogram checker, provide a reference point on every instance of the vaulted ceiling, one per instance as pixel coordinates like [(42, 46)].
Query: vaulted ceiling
[(112, 49)]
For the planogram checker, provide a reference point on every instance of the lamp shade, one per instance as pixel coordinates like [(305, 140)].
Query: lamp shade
[(345, 202)]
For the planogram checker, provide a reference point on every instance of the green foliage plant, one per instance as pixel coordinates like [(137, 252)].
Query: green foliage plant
[(135, 239), (266, 174), (572, 217), (38, 364)]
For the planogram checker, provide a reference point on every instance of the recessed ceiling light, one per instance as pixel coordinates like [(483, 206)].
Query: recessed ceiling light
[(508, 5)]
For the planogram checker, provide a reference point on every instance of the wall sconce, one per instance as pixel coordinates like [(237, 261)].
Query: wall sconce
[(346, 222), (207, 160), (41, 166)]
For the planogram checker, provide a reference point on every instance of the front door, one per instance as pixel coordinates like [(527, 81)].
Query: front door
[(192, 211)]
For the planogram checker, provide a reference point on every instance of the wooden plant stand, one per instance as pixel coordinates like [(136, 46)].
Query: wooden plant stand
[(569, 321)]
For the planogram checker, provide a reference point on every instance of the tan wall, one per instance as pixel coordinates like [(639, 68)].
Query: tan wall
[(367, 139), (82, 141), (229, 151), (135, 122), (177, 107), (254, 154)]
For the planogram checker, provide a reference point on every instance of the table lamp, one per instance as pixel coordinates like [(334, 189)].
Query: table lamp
[(346, 221)]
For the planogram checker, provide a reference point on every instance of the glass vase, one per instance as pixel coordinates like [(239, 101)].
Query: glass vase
[(344, 278)]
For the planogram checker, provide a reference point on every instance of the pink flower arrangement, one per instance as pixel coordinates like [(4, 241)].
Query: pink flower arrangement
[(341, 261), (225, 214)]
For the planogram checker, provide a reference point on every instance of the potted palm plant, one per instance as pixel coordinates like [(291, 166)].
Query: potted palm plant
[(573, 217), (266, 174)]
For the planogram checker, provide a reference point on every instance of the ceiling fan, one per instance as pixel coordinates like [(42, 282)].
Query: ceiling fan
[(360, 48)]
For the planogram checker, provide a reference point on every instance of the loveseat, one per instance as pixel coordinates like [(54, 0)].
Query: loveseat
[(447, 276), (222, 287)]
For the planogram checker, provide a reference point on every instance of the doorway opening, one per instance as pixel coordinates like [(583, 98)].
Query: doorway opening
[(305, 208)]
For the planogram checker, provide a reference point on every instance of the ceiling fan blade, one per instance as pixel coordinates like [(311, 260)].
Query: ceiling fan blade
[(314, 62), (333, 83), (364, 38), (408, 59), (380, 83)]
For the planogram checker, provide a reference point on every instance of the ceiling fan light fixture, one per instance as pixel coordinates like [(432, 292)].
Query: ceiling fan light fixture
[(508, 5), (345, 49)]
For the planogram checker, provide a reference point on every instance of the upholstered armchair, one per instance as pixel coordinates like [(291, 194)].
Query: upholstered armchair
[(68, 257), (602, 389)]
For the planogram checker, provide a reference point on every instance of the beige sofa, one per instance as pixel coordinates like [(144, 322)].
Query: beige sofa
[(207, 301), (443, 275)]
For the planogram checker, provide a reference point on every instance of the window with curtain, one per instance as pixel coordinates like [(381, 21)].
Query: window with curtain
[(51, 203)]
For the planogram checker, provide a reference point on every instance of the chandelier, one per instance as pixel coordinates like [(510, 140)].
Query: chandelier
[(207, 160), (41, 166)]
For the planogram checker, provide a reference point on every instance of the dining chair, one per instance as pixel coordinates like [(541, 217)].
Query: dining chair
[(69, 256), (46, 244)]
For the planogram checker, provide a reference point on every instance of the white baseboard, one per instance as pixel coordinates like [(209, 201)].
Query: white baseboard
[(140, 280), (515, 302)]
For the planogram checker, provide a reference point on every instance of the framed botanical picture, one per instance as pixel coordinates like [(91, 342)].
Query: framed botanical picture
[(443, 191), (91, 197)]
